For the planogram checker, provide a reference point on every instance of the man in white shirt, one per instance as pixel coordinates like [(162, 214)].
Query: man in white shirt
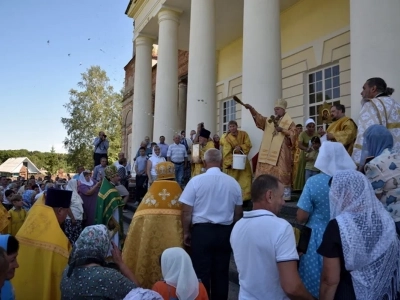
[(177, 154), (211, 203), (264, 247)]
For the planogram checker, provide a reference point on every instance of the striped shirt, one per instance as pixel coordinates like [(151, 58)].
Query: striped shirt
[(177, 153)]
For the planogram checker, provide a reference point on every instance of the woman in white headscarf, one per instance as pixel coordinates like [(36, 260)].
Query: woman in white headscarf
[(152, 162), (313, 209), (304, 143), (360, 246), (180, 280), (73, 222), (88, 189)]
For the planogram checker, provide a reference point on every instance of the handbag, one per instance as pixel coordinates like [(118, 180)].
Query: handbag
[(302, 234)]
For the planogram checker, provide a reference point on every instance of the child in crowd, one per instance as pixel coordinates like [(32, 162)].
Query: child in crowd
[(17, 214), (311, 157)]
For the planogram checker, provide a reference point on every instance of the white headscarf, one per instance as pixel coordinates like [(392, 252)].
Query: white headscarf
[(177, 271), (371, 248), (143, 294), (155, 159), (310, 121), (83, 181), (73, 186), (332, 158)]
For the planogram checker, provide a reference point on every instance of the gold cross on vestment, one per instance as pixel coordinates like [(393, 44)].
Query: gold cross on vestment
[(164, 194)]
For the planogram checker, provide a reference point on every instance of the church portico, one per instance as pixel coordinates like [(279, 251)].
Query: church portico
[(308, 52), (166, 102)]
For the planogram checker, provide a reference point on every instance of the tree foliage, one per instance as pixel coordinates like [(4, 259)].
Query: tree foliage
[(94, 107), (50, 161)]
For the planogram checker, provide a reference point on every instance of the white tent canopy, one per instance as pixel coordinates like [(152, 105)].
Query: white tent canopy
[(14, 165)]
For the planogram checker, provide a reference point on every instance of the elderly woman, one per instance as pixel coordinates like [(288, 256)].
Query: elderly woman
[(360, 246), (88, 189), (382, 168), (180, 280), (313, 209), (305, 146), (88, 276)]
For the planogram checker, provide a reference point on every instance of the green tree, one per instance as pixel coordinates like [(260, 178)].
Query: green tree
[(94, 107), (52, 163)]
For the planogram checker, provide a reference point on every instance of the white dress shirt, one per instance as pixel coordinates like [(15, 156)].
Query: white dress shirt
[(213, 196)]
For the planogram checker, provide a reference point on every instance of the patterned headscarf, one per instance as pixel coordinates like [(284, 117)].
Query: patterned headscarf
[(370, 245), (110, 171), (91, 247)]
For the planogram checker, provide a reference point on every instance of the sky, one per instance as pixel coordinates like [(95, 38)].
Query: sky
[(36, 71)]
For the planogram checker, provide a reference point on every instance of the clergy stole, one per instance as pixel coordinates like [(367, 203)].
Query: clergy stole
[(271, 144)]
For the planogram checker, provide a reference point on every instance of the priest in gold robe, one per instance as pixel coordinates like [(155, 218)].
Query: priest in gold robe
[(156, 226), (204, 143), (296, 153), (43, 248), (238, 142), (342, 129), (275, 155)]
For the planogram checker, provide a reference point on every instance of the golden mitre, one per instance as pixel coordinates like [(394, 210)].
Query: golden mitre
[(165, 170), (281, 103)]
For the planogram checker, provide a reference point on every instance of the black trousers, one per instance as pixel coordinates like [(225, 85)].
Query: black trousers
[(141, 187), (211, 253), (97, 157)]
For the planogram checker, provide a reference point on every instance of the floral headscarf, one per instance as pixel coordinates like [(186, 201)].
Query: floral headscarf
[(91, 247)]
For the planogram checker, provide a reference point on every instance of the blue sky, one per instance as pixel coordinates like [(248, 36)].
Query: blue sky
[(36, 75)]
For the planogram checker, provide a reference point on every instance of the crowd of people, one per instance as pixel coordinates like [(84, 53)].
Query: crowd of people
[(195, 208)]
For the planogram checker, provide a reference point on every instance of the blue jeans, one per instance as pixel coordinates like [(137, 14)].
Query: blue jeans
[(179, 171), (310, 173)]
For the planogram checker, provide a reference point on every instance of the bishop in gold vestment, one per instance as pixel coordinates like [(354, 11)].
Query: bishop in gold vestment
[(275, 155), (237, 141)]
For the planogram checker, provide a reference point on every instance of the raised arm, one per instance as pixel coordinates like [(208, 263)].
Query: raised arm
[(259, 120)]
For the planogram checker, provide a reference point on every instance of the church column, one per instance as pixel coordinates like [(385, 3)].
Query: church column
[(182, 96), (201, 97), (262, 70), (166, 103), (374, 46), (142, 122)]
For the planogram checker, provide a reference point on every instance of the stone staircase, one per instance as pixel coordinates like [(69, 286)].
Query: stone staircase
[(288, 212)]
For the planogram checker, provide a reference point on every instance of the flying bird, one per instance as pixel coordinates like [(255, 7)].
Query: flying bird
[(48, 42), (102, 50), (69, 54)]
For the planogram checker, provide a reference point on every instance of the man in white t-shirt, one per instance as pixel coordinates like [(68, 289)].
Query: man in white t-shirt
[(264, 247), (211, 203)]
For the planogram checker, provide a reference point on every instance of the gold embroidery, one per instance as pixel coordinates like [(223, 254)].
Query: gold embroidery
[(111, 203), (43, 245), (164, 194), (162, 211), (393, 125)]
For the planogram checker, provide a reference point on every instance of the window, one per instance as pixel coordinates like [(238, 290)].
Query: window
[(228, 113), (323, 86)]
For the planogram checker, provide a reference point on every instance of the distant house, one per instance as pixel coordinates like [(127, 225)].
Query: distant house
[(19, 166)]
